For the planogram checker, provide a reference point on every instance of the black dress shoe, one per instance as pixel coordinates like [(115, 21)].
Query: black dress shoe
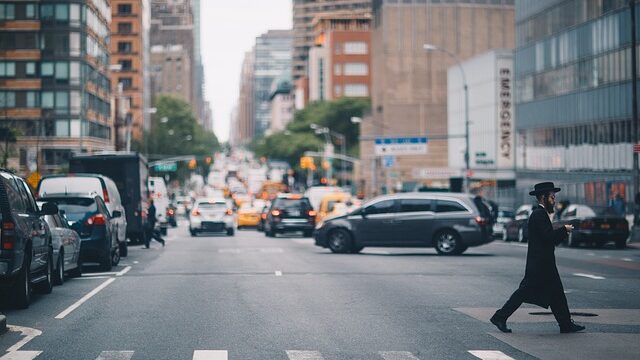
[(571, 328), (500, 324)]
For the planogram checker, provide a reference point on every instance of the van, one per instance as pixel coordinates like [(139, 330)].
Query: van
[(56, 185), (158, 192)]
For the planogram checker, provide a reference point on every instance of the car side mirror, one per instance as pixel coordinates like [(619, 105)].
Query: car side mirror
[(116, 214), (49, 208)]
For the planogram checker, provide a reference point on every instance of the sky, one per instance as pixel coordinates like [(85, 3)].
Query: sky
[(229, 29)]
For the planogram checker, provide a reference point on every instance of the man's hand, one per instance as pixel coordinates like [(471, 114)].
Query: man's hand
[(569, 228)]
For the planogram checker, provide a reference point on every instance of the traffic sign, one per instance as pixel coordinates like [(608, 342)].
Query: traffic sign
[(33, 179), (167, 167), (389, 161), (401, 145)]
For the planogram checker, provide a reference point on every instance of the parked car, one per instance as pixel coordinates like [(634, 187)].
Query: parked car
[(129, 171), (26, 251), (212, 215), (53, 185), (503, 218), (593, 229), (66, 247), (158, 192), (88, 215), (516, 229), (290, 213), (450, 222), (248, 216)]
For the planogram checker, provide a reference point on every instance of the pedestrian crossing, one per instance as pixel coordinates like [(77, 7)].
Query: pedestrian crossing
[(304, 355)]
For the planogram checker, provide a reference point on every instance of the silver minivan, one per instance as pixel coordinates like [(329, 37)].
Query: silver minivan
[(450, 222), (101, 185)]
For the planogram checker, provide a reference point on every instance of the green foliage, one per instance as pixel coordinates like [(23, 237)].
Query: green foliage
[(290, 145), (180, 134)]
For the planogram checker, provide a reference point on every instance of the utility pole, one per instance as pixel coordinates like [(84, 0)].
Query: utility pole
[(634, 115)]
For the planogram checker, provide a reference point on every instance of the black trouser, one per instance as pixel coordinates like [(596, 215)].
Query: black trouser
[(558, 305), (152, 232)]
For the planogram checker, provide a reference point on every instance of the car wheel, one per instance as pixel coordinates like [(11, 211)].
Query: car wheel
[(124, 250), (448, 243), (21, 289), (115, 256), (58, 276), (230, 232), (46, 286), (521, 237), (339, 241), (621, 244)]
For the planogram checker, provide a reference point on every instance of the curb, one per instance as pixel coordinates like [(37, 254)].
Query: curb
[(3, 324)]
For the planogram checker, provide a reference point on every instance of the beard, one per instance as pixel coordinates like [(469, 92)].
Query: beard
[(549, 207)]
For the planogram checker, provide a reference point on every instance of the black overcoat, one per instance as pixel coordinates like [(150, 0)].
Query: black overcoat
[(541, 284)]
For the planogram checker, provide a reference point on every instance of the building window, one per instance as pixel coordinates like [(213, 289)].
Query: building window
[(46, 69), (7, 11), (47, 100), (338, 90), (30, 11), (74, 71), (356, 69), (356, 90), (74, 14), (30, 69), (62, 128), (76, 102), (74, 44), (124, 28), (124, 9), (337, 69), (7, 69), (124, 47), (32, 99), (46, 12), (126, 83), (62, 72), (125, 65), (355, 48), (62, 102), (7, 99), (62, 12)]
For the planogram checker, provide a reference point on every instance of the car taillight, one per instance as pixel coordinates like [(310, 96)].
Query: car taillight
[(586, 225), (105, 195), (8, 235), (276, 212), (195, 212), (623, 225), (229, 212), (481, 221), (97, 219), (311, 213)]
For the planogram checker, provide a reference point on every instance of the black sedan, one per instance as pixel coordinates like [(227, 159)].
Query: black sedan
[(592, 229), (516, 229)]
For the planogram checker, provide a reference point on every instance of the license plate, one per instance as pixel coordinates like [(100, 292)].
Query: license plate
[(294, 213), (605, 226)]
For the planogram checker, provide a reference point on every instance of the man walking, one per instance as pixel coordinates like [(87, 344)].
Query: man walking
[(541, 284), (151, 226)]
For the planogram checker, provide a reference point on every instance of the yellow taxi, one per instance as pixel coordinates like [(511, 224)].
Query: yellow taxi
[(333, 204), (248, 215)]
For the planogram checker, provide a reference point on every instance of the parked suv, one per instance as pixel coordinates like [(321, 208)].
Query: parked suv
[(89, 217), (26, 253), (290, 213), (450, 222), (52, 185)]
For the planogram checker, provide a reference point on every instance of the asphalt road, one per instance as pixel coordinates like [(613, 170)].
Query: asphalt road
[(252, 297)]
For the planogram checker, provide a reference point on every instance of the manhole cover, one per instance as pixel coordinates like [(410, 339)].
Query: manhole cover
[(584, 314)]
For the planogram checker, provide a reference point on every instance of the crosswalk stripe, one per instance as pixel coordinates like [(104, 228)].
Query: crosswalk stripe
[(397, 355), (490, 355), (304, 355), (115, 355), (21, 355), (210, 355)]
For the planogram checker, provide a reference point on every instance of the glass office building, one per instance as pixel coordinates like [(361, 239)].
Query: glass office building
[(573, 98), (54, 81)]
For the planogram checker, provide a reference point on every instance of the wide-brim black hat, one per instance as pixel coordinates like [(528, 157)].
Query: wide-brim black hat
[(544, 187)]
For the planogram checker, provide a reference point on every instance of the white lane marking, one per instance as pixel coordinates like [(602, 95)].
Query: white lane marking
[(591, 254), (397, 355), (304, 355), (376, 252), (14, 353), (124, 271), (210, 355), (92, 277), (512, 244), (115, 355), (490, 355), (100, 274), (77, 304), (627, 259), (278, 273), (21, 355), (136, 262), (590, 276)]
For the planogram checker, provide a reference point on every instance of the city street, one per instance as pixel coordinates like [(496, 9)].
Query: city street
[(252, 297)]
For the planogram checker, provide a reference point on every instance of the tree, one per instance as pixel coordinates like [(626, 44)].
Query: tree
[(7, 137)]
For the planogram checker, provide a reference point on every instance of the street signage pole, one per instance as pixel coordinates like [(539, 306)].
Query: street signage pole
[(634, 101)]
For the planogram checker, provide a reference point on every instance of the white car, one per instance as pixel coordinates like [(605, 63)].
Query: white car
[(212, 215)]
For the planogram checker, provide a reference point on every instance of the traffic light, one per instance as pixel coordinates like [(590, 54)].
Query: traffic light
[(306, 162), (192, 164), (326, 164)]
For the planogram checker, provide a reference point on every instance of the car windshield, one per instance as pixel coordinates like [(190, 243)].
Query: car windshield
[(75, 209), (212, 206), (506, 214), (292, 204)]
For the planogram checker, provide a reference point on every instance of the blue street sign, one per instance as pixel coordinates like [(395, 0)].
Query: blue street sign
[(389, 161), (416, 145)]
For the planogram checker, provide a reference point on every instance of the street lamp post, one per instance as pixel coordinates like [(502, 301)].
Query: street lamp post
[(634, 108), (343, 145), (429, 48)]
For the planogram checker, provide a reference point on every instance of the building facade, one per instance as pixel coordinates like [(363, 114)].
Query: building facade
[(272, 56), (339, 63), (171, 74), (409, 89), (130, 51), (489, 78), (245, 121), (573, 98), (55, 89), (282, 105)]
